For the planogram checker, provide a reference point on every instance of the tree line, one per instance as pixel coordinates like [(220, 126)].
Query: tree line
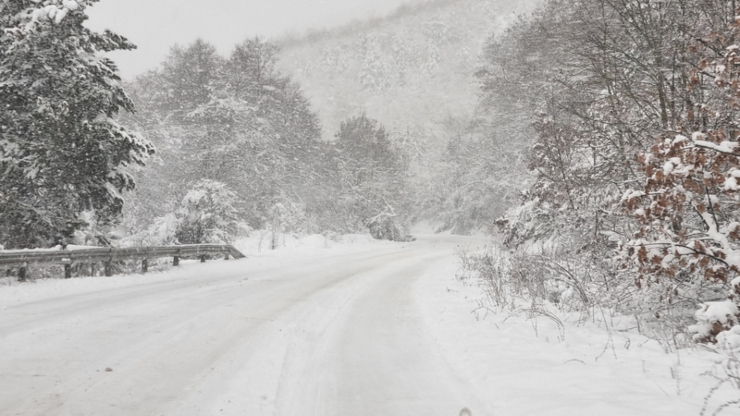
[(620, 120), (242, 125), (238, 147)]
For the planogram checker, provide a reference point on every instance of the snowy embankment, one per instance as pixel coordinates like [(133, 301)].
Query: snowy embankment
[(537, 367)]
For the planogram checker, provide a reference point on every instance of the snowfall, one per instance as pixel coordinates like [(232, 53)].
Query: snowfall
[(328, 326)]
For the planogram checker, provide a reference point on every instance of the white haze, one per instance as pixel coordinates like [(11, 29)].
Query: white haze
[(154, 26)]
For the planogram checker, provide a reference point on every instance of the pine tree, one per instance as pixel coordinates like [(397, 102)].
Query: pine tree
[(189, 74), (61, 151)]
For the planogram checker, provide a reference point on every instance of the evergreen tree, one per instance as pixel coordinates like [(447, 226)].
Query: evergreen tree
[(189, 75), (61, 151)]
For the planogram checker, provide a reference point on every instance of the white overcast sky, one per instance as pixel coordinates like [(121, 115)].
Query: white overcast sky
[(155, 25)]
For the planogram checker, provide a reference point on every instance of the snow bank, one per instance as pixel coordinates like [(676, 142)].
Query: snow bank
[(428, 227), (260, 242), (730, 339), (542, 367)]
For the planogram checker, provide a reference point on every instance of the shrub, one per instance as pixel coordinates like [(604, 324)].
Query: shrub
[(208, 214)]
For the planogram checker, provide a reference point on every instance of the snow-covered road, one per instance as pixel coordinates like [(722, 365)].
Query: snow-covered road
[(333, 335), (326, 328)]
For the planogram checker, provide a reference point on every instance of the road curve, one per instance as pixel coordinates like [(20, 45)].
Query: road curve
[(336, 335)]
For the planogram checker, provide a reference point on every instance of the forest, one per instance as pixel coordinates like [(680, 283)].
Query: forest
[(598, 145)]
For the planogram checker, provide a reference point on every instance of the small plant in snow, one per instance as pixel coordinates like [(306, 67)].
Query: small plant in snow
[(729, 377)]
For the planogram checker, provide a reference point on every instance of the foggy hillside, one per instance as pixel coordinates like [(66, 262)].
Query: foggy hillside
[(410, 70)]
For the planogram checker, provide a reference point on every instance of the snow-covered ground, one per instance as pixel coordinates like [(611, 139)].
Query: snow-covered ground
[(537, 367), (343, 326)]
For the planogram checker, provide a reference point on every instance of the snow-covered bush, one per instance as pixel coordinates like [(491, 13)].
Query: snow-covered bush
[(284, 218), (529, 222), (93, 233), (491, 269), (163, 231), (719, 322), (208, 214), (713, 319), (383, 227), (289, 216)]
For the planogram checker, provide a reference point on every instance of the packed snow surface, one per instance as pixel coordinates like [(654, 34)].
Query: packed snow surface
[(345, 326)]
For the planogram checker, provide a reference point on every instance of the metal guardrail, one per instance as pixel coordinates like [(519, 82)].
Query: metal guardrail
[(21, 259)]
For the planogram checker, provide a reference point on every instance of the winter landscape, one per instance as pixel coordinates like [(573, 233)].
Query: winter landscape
[(430, 207)]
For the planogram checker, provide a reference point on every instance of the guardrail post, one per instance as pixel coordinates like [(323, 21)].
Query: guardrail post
[(226, 255), (67, 263), (145, 265), (176, 261), (108, 268), (202, 258), (22, 274)]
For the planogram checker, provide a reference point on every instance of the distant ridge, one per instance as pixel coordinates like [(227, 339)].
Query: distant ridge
[(412, 70), (401, 12)]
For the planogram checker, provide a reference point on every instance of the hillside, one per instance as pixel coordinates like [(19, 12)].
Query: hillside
[(412, 70)]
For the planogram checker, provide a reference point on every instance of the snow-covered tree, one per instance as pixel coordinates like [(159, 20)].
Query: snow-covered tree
[(188, 75), (374, 73), (61, 150), (373, 176), (587, 85), (236, 120), (688, 241)]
